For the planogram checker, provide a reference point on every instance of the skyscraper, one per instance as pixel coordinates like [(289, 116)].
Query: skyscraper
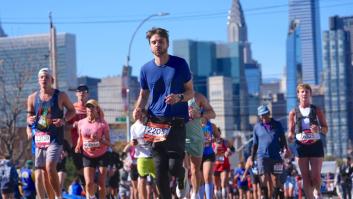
[(111, 100), (201, 57), (338, 83), (238, 31), (21, 57), (294, 64), (221, 100), (307, 15)]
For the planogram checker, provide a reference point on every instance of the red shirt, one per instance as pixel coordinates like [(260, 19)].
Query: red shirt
[(80, 114)]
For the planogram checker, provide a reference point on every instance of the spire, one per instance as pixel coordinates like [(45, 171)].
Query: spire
[(237, 30), (2, 32)]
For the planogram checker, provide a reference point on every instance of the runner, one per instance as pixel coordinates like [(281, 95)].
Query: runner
[(132, 164), (143, 153), (94, 140), (208, 160), (113, 174), (61, 166), (199, 109), (242, 181), (168, 78), (82, 93), (269, 142), (46, 115), (223, 149), (255, 178), (27, 180), (306, 125)]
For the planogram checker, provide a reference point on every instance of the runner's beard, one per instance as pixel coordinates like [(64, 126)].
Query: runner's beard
[(159, 52)]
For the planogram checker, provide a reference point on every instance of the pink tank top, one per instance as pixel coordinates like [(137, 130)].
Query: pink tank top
[(91, 146)]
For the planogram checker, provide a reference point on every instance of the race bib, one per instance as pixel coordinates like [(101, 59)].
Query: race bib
[(220, 159), (278, 168), (307, 137), (155, 132), (90, 144), (42, 140)]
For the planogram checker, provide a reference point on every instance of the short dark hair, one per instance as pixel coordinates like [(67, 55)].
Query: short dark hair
[(160, 31)]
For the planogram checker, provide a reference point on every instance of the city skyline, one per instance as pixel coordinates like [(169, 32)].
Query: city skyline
[(103, 31)]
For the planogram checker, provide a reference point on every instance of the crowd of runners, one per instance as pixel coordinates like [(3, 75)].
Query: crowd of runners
[(175, 150)]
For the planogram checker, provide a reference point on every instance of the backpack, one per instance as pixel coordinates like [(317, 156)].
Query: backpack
[(7, 178)]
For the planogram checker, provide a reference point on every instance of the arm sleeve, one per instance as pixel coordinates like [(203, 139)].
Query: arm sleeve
[(143, 80), (283, 141), (186, 71)]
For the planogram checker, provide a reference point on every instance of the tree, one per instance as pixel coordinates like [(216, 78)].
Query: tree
[(16, 76)]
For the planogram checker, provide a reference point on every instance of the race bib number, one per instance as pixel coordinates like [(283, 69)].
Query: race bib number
[(220, 159), (91, 144), (307, 137), (155, 132), (42, 140), (278, 168)]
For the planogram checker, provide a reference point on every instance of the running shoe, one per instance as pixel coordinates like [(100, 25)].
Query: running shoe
[(183, 186)]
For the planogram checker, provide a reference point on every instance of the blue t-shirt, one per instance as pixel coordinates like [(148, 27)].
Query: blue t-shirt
[(268, 139), (163, 80), (240, 172), (208, 137)]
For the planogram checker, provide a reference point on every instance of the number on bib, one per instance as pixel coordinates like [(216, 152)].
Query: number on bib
[(42, 140), (155, 132)]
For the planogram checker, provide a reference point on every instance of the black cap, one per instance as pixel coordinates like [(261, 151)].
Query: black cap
[(82, 87)]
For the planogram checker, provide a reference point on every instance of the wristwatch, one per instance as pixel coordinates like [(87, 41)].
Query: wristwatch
[(181, 97)]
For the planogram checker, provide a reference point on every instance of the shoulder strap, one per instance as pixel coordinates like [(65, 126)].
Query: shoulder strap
[(298, 119), (312, 115)]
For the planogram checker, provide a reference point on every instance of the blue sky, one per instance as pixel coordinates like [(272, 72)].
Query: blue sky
[(103, 29)]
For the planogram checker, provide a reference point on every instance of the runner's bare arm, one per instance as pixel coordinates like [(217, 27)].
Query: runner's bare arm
[(208, 112), (322, 120), (30, 109), (106, 140), (189, 91), (291, 126), (127, 148), (79, 142), (141, 103)]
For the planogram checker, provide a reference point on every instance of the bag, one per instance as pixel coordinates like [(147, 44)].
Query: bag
[(156, 132), (7, 180)]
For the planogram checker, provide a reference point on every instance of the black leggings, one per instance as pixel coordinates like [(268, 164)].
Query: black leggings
[(168, 158)]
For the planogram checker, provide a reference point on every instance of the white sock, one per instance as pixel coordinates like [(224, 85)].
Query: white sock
[(224, 193)]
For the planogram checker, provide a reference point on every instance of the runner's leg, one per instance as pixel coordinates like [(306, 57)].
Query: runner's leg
[(315, 173), (88, 173), (101, 181), (305, 172)]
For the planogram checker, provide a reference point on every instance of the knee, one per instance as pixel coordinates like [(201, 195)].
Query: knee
[(50, 169), (89, 183), (174, 169)]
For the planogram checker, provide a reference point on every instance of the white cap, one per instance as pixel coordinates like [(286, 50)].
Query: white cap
[(44, 71)]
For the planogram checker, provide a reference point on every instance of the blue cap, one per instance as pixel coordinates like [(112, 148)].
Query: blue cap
[(262, 110)]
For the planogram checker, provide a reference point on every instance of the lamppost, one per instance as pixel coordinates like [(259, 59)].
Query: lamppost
[(138, 27), (126, 73)]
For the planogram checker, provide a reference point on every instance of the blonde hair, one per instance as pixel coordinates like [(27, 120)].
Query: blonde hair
[(304, 86)]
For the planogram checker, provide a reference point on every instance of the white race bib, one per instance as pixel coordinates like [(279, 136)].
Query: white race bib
[(91, 144), (278, 168), (220, 159), (307, 137), (42, 140), (155, 132)]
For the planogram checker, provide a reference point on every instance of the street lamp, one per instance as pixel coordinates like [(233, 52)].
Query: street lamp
[(126, 73), (138, 27)]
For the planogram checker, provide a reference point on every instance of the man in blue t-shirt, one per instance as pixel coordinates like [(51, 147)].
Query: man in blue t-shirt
[(167, 79), (269, 141)]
